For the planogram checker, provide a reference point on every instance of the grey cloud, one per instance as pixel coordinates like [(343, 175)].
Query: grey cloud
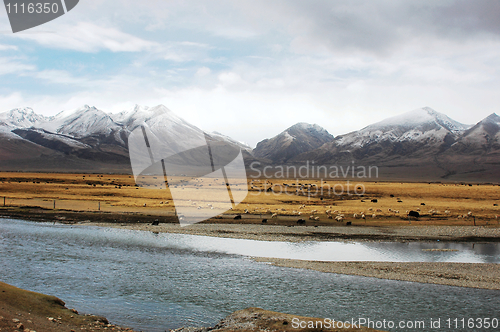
[(379, 26)]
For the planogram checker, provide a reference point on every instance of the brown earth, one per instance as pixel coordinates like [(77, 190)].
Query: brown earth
[(22, 310), (256, 319)]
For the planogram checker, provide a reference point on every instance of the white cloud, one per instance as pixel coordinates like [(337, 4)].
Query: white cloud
[(7, 47), (14, 66), (203, 71), (89, 37)]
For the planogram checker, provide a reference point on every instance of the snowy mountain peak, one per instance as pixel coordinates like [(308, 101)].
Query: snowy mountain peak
[(81, 122), (140, 114), (299, 138), (21, 117), (305, 128), (423, 119), (492, 118)]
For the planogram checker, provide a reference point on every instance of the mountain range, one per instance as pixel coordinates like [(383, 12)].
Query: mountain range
[(420, 145)]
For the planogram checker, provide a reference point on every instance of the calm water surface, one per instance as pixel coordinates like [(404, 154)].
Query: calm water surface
[(157, 282)]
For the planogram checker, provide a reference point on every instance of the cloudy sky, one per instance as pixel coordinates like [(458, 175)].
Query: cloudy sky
[(250, 69)]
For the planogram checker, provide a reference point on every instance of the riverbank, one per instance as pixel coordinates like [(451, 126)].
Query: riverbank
[(263, 232), (474, 275), (22, 310), (485, 276), (253, 229), (256, 319)]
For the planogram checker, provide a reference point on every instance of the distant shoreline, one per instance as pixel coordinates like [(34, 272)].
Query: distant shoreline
[(253, 230)]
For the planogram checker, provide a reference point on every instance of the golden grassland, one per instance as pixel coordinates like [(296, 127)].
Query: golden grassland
[(445, 203)]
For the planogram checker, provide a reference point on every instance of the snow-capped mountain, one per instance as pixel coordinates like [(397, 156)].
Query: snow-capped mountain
[(21, 118), (82, 122), (423, 124), (483, 137), (297, 139), (86, 138), (419, 144)]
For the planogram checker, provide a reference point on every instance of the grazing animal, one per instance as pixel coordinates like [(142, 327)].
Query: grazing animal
[(274, 215), (316, 218), (236, 217), (374, 215), (330, 216), (246, 211), (301, 222), (348, 223), (414, 214), (374, 200), (422, 203), (264, 221), (155, 223)]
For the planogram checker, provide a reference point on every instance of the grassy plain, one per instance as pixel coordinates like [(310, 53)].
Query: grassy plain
[(445, 203)]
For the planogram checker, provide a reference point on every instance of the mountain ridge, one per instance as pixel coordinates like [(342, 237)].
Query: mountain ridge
[(88, 138)]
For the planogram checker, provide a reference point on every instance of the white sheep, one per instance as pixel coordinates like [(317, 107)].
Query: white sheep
[(274, 215)]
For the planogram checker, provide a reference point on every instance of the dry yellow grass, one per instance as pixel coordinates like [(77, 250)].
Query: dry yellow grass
[(445, 203)]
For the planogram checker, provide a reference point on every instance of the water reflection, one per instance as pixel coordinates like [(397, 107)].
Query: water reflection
[(155, 282)]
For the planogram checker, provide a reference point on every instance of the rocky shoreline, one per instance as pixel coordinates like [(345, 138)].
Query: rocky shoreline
[(256, 319)]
